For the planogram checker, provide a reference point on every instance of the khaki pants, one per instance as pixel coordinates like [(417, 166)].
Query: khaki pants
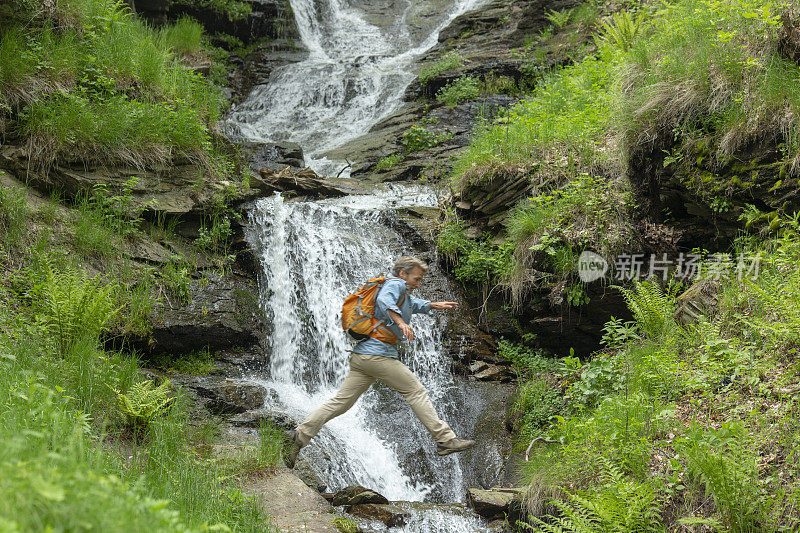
[(364, 370)]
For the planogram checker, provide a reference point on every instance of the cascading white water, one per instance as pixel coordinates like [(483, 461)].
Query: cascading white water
[(358, 67), (314, 254)]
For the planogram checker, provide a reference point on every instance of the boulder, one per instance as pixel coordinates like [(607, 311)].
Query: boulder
[(304, 182), (225, 397), (495, 502), (222, 315), (389, 514), (356, 495)]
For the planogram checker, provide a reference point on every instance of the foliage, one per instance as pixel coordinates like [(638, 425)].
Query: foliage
[(558, 130), (177, 279), (345, 524), (618, 505), (538, 401), (215, 237), (196, 363), (617, 332), (524, 357), (460, 90), (711, 71), (623, 29), (418, 138), (476, 261), (271, 440), (559, 19), (73, 307), (233, 10), (144, 401), (388, 162), (721, 460), (652, 308), (14, 214), (449, 61), (106, 87)]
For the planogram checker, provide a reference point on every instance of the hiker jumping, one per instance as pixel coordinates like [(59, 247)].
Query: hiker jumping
[(375, 358)]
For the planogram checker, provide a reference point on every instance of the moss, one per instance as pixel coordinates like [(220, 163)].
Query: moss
[(248, 305)]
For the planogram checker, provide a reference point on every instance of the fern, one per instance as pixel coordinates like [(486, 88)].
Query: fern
[(652, 309), (75, 307), (144, 402), (622, 30), (620, 505)]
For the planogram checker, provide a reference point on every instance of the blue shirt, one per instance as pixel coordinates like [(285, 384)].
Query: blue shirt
[(388, 298)]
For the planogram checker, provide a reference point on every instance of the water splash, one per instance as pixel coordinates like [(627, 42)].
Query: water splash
[(314, 254)]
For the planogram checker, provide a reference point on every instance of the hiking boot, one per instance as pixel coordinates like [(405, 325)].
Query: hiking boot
[(291, 448), (453, 446)]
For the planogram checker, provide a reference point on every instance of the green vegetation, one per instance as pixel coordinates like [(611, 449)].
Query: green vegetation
[(66, 406), (419, 138), (461, 90), (669, 427), (197, 363), (105, 87), (449, 61), (388, 162), (14, 215), (345, 524)]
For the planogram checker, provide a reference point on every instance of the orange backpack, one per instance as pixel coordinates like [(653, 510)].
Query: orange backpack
[(358, 311)]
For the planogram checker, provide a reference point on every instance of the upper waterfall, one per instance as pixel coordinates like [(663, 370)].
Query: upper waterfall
[(359, 63)]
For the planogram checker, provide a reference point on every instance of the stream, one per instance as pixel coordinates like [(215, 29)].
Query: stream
[(314, 253), (360, 61)]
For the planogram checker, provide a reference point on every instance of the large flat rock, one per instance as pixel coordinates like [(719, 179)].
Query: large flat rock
[(291, 504)]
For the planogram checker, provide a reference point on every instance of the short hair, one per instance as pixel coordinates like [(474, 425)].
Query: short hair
[(408, 263)]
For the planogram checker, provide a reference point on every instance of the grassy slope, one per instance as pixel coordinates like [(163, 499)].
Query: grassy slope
[(669, 427), (84, 80)]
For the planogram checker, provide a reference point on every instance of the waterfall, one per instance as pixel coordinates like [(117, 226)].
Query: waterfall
[(358, 66), (313, 255)]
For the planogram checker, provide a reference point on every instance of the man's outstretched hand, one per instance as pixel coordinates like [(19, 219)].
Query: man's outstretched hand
[(444, 305)]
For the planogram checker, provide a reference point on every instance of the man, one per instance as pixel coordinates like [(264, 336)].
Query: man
[(373, 360)]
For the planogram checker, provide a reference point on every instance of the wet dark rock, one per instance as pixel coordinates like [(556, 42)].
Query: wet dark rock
[(494, 373), (268, 19), (254, 419), (356, 495), (223, 315), (389, 514), (225, 397), (272, 156), (496, 502), (304, 182)]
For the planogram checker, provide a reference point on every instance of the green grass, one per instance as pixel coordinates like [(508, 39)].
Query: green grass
[(106, 87), (558, 131), (388, 162), (14, 215), (711, 71), (461, 90), (450, 61)]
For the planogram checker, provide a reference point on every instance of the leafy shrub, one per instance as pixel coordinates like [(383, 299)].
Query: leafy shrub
[(463, 89), (345, 524), (215, 238), (729, 471), (475, 261), (144, 401), (183, 36), (598, 379), (418, 138), (196, 363), (176, 276), (525, 357), (388, 162), (538, 400), (75, 307), (449, 61)]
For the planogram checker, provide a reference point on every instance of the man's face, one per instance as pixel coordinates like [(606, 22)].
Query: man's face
[(413, 278)]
